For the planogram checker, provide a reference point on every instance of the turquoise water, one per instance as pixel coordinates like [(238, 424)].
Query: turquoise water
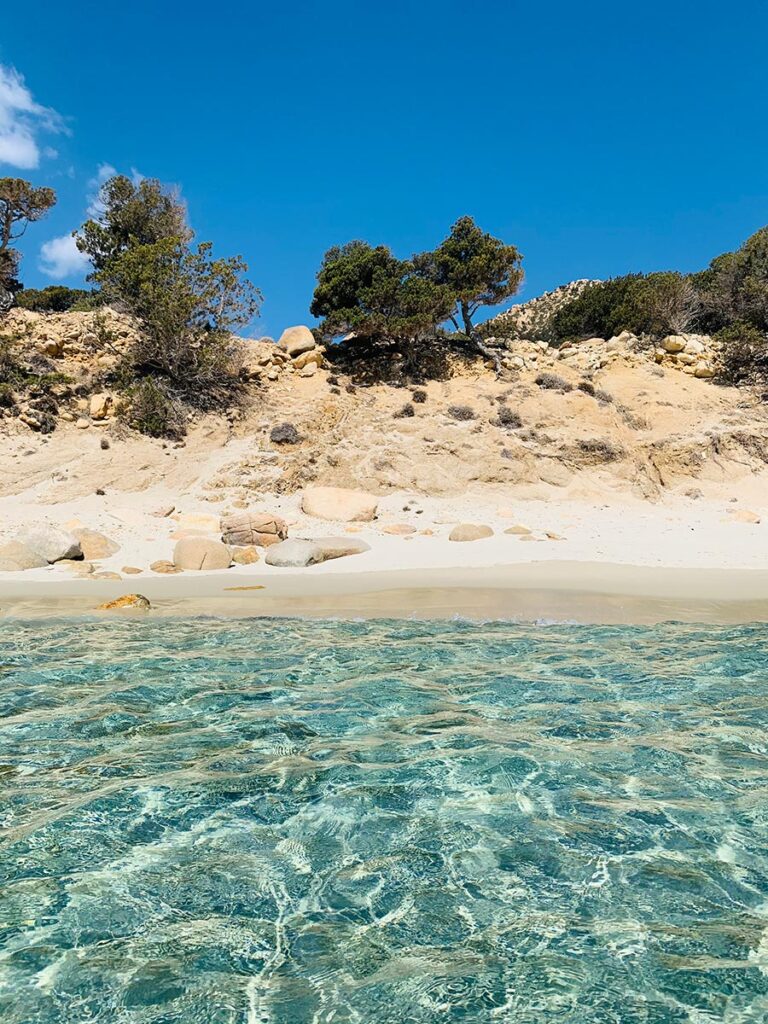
[(300, 822)]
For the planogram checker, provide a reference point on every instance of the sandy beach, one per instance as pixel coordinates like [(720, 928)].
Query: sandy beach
[(631, 561)]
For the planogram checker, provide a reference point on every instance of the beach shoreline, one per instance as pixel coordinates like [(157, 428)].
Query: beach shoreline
[(581, 592)]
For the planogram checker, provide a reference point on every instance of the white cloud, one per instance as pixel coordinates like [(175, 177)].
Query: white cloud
[(95, 206), (60, 258), (22, 120)]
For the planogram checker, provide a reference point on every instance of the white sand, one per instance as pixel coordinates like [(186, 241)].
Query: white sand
[(606, 550)]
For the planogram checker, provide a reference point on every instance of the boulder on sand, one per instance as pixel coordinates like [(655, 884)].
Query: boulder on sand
[(339, 504), (246, 528), (295, 340), (296, 553), (50, 542), (95, 545), (198, 553), (470, 531), (15, 557)]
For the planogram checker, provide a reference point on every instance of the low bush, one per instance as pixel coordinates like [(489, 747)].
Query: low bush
[(509, 418), (152, 410), (743, 354), (645, 304), (587, 387), (7, 396), (56, 298), (406, 411), (461, 412), (603, 397), (419, 396), (553, 382), (284, 433), (600, 449)]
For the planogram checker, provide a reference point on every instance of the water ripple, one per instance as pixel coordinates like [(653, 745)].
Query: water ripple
[(306, 822)]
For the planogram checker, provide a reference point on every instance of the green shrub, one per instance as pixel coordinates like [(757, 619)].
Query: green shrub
[(734, 287), (645, 304), (7, 396), (55, 299), (743, 355), (405, 412), (155, 412), (419, 396)]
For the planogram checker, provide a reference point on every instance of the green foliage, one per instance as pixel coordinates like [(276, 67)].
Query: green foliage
[(153, 411), (55, 298), (743, 354), (645, 304), (7, 396), (20, 205), (11, 371), (735, 285), (476, 269), (131, 214), (187, 303), (367, 291)]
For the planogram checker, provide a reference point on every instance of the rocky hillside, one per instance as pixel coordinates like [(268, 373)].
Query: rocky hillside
[(578, 421), (532, 319)]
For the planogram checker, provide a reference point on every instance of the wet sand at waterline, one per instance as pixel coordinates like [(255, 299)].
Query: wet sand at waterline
[(584, 592)]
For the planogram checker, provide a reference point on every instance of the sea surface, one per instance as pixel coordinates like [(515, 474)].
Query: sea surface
[(383, 822)]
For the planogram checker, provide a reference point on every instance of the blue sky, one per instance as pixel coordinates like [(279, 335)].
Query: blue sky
[(597, 137)]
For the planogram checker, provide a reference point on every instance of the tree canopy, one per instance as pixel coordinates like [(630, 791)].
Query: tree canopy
[(369, 292), (21, 204), (131, 214), (476, 268)]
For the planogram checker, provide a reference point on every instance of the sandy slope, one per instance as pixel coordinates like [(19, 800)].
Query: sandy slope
[(656, 477)]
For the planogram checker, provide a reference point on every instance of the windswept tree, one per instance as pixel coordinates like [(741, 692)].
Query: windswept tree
[(21, 204), (188, 304), (477, 269), (370, 293), (131, 213)]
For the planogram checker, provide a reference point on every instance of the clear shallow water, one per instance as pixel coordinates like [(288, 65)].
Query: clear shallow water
[(244, 822)]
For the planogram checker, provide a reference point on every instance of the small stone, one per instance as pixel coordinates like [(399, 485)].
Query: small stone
[(399, 529), (100, 406), (164, 567), (470, 531), (245, 556), (674, 343), (518, 529), (131, 570), (82, 423)]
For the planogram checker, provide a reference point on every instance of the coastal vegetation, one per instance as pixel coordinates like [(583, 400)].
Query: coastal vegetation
[(381, 318), (21, 204)]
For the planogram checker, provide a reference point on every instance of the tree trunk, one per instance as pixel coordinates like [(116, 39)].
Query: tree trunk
[(477, 344)]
